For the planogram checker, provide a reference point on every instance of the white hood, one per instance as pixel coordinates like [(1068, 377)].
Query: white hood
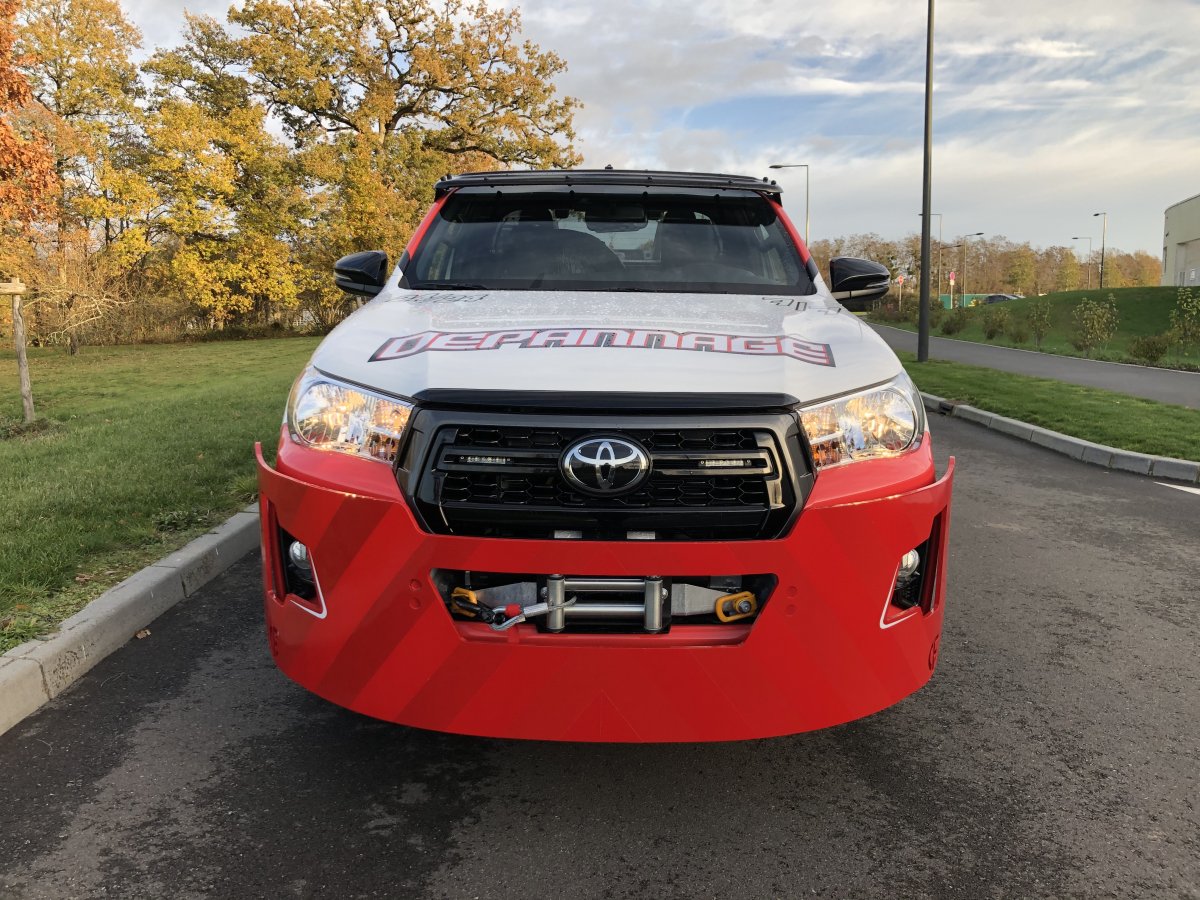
[(404, 342)]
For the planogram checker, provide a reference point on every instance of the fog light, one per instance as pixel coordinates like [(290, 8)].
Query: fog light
[(298, 554), (298, 575), (906, 592)]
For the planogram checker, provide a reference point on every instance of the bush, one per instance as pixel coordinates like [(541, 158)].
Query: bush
[(1039, 321), (1018, 331), (1151, 348), (886, 312), (1095, 323), (1185, 318), (995, 321), (240, 333), (955, 322)]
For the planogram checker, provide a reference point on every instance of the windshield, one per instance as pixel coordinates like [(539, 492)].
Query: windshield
[(609, 241)]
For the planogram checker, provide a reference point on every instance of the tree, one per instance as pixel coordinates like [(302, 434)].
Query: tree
[(1185, 317), (1095, 323), (26, 167), (233, 201), (1137, 269), (27, 182), (451, 72), (1020, 271), (79, 70), (1039, 321), (1067, 275), (377, 98), (1147, 269)]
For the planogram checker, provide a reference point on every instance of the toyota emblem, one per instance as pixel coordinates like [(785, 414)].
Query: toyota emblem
[(605, 465)]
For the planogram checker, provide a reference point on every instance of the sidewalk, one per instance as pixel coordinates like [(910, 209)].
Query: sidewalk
[(1163, 385)]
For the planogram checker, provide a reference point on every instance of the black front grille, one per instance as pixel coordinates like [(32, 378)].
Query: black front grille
[(479, 475), (658, 491)]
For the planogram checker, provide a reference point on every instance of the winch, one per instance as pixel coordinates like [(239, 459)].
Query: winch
[(647, 604)]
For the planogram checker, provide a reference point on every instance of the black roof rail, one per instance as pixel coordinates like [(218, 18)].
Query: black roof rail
[(624, 177)]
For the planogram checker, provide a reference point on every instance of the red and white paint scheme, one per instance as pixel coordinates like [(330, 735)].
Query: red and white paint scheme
[(603, 458)]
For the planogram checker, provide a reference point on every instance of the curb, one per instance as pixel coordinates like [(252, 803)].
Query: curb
[(39, 670), (1076, 448)]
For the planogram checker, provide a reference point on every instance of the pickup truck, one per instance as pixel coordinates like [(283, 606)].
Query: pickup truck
[(604, 458)]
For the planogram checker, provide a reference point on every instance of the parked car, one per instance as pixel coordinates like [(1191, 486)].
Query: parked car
[(999, 298), (605, 459)]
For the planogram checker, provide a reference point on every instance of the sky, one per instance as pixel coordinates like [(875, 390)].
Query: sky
[(1045, 111)]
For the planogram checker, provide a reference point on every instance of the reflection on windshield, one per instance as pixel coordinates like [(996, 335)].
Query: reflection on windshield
[(608, 242)]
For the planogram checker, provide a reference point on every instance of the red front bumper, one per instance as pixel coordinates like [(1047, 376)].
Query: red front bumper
[(821, 652)]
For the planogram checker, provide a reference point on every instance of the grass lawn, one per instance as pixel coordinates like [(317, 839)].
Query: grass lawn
[(142, 449), (1103, 417), (1143, 312)]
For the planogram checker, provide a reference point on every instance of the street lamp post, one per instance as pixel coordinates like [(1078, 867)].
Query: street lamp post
[(1103, 241), (803, 166), (1089, 257), (926, 194)]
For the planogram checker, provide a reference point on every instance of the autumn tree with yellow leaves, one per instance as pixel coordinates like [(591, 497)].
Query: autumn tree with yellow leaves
[(216, 185), (27, 182), (235, 203), (86, 91), (377, 98)]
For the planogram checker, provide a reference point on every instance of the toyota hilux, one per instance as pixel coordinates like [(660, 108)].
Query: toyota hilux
[(604, 458)]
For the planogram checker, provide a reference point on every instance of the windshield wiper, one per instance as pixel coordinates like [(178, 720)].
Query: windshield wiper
[(450, 286)]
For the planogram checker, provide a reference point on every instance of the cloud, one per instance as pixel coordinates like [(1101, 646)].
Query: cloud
[(841, 87), (1052, 49), (1041, 109), (161, 20)]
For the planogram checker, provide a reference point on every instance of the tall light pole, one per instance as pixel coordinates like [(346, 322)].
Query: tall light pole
[(1089, 257), (1103, 241), (939, 266), (926, 193), (966, 243), (803, 166)]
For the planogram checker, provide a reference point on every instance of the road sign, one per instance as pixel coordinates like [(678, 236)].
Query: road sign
[(952, 278)]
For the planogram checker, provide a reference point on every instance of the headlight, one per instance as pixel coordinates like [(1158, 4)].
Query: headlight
[(884, 421), (328, 415)]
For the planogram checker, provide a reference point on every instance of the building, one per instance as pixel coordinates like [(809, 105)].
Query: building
[(1181, 243)]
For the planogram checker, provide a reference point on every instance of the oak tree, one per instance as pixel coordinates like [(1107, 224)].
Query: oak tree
[(454, 73), (377, 98)]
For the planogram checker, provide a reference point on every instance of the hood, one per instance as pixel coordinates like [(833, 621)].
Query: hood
[(406, 342)]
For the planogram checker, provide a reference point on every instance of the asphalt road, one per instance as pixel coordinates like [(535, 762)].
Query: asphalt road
[(1163, 385), (1055, 754)]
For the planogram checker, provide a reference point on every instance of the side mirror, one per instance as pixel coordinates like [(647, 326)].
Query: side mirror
[(363, 273), (857, 283)]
